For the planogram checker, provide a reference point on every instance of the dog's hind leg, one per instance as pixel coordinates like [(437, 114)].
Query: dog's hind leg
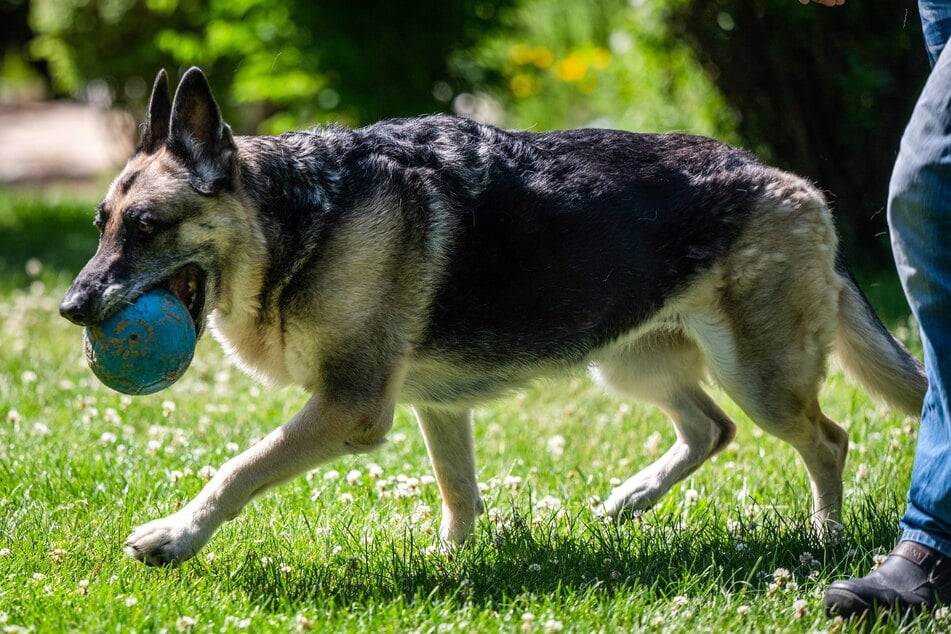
[(665, 369), (775, 380), (448, 436)]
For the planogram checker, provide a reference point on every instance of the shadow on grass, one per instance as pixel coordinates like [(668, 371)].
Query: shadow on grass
[(654, 561)]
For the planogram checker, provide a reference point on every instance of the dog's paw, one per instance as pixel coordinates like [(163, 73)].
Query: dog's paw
[(456, 527), (628, 501), (165, 542)]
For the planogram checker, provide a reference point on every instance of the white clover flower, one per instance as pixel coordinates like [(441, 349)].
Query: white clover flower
[(168, 407), (782, 575), (513, 483), (346, 498), (535, 567), (652, 444), (185, 624), (353, 477), (375, 470), (422, 512), (551, 626), (108, 438), (549, 503), (130, 601), (33, 267), (528, 621), (800, 607), (556, 445), (29, 376), (331, 475), (691, 497), (238, 623)]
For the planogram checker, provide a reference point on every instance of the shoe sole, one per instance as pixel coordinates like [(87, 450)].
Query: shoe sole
[(844, 603)]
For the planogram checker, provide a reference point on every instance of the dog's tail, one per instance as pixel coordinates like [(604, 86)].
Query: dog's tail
[(870, 354)]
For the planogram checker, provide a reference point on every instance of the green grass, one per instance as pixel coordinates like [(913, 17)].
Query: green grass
[(80, 466)]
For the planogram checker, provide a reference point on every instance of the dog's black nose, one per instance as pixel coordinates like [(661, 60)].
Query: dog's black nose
[(73, 308)]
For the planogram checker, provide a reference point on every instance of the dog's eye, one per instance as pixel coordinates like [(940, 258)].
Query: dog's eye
[(145, 227)]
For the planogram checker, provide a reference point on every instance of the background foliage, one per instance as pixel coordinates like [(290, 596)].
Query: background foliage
[(823, 92)]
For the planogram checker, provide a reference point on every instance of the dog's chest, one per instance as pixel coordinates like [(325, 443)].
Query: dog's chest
[(258, 348)]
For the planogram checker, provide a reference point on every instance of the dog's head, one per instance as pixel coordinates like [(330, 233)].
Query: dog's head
[(168, 219)]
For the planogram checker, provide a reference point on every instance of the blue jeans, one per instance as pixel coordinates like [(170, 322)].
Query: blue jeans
[(919, 216)]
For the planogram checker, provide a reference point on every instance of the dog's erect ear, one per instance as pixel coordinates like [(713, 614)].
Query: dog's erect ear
[(156, 121), (198, 136)]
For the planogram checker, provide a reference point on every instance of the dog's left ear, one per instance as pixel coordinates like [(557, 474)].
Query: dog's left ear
[(199, 136)]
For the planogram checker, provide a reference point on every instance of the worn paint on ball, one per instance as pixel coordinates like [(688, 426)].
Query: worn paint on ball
[(144, 347)]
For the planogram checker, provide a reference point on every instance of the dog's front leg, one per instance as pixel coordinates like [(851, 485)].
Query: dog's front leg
[(321, 431)]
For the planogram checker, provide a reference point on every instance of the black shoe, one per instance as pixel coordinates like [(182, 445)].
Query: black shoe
[(913, 577)]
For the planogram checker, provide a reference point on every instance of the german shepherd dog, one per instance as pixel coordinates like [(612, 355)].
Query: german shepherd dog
[(440, 262)]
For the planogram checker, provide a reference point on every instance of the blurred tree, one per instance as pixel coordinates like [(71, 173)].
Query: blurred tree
[(14, 30), (295, 61), (825, 92)]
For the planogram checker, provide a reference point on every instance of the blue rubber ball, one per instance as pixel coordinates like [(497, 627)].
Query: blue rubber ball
[(143, 348)]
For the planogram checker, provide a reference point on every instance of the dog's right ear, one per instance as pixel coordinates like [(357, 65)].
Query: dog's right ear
[(159, 114)]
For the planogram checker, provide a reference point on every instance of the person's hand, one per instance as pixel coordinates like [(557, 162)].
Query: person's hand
[(828, 3)]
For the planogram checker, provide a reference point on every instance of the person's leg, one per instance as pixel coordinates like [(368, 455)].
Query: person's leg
[(919, 216), (936, 25), (918, 572)]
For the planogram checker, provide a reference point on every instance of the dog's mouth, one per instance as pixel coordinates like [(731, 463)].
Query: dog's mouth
[(188, 285)]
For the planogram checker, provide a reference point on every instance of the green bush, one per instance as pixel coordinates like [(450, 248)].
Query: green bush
[(274, 64), (608, 63)]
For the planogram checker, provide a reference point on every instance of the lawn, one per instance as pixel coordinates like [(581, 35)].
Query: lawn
[(351, 546)]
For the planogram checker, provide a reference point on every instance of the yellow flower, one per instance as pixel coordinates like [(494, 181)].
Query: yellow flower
[(523, 85), (521, 54), (572, 68), (542, 57)]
